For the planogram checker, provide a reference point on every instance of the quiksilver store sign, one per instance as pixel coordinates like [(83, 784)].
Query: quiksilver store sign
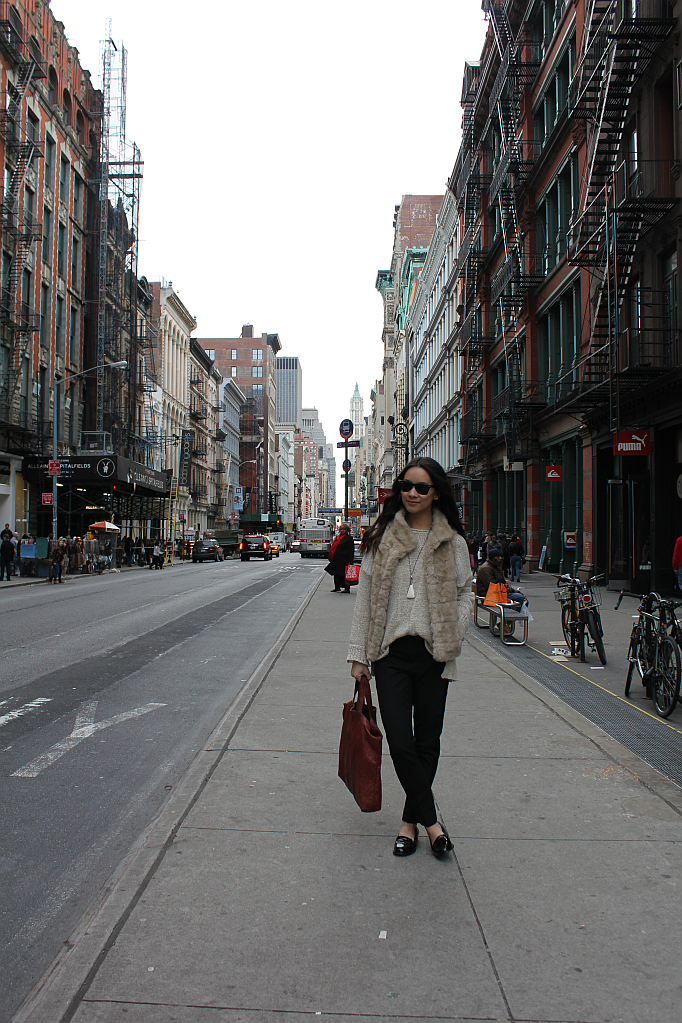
[(632, 442)]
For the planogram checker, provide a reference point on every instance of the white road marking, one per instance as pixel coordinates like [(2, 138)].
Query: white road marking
[(25, 709), (84, 727)]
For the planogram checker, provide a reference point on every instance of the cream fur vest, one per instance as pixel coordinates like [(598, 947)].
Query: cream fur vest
[(447, 572)]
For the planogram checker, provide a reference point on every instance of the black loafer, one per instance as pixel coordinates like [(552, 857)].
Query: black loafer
[(404, 846), (441, 845)]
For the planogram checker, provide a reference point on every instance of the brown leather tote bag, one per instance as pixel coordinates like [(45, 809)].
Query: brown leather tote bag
[(360, 749)]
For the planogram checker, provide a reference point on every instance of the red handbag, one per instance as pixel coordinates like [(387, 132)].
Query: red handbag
[(360, 749), (352, 574)]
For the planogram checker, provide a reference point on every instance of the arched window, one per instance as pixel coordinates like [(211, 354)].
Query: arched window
[(66, 107), (79, 127), (52, 86)]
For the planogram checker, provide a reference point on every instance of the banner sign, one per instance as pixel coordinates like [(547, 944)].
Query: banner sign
[(569, 540), (98, 470), (553, 473), (186, 442), (383, 493), (354, 513), (632, 442)]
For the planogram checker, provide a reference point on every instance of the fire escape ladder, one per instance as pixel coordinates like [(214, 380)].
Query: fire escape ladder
[(620, 198), (19, 225)]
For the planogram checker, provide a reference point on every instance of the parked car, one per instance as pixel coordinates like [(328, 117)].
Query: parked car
[(255, 546), (357, 545), (207, 550)]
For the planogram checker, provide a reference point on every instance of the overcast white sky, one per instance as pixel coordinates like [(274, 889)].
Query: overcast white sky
[(277, 139)]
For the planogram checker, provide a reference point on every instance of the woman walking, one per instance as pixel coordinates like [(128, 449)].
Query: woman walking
[(411, 612), (342, 553)]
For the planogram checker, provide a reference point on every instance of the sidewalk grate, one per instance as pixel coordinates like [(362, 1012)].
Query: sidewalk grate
[(657, 745)]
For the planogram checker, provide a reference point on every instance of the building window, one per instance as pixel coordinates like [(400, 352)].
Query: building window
[(49, 160), (58, 328), (73, 337), (256, 371), (44, 316), (256, 353), (234, 353), (52, 86), (79, 128), (63, 179), (234, 371), (66, 107), (74, 263), (29, 208), (25, 296), (47, 236), (76, 197), (60, 249)]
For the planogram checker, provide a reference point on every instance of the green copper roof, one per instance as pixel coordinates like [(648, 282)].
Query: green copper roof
[(356, 394)]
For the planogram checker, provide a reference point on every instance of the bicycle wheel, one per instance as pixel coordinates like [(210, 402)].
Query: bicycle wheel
[(633, 650), (666, 680), (596, 634), (565, 626)]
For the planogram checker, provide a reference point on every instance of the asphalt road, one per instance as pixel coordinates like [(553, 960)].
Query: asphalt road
[(108, 688)]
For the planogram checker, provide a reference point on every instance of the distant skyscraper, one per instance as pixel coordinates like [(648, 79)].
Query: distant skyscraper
[(289, 379), (357, 414)]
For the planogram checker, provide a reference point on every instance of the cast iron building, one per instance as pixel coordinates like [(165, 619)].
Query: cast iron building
[(567, 185)]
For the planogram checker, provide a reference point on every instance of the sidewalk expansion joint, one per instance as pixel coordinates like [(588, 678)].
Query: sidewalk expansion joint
[(247, 695), (619, 753)]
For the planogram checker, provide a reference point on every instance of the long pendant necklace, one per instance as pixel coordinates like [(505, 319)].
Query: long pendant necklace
[(410, 589)]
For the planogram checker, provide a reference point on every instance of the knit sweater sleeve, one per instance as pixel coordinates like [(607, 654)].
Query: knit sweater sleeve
[(357, 649)]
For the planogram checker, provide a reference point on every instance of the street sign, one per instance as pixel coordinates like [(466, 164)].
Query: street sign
[(310, 475), (330, 511), (348, 443), (47, 498), (346, 428), (181, 517), (632, 442), (346, 464), (54, 467), (553, 473)]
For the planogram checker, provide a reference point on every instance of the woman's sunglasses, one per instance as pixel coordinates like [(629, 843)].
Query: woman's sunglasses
[(405, 486)]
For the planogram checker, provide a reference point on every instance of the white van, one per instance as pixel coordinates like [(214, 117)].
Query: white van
[(280, 539)]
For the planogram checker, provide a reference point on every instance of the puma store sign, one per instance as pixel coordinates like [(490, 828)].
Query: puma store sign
[(632, 442)]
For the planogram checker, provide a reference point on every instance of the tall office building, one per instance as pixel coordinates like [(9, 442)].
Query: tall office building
[(289, 380), (357, 414)]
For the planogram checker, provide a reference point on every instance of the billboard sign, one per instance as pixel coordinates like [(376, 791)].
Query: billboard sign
[(632, 442)]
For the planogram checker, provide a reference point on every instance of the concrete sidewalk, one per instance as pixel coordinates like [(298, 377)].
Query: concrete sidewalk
[(262, 889)]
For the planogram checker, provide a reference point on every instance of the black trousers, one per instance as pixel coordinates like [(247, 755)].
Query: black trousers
[(5, 566), (412, 696)]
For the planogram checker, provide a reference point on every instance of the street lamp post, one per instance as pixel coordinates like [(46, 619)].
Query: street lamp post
[(55, 401)]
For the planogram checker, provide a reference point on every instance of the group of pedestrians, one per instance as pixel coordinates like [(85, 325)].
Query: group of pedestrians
[(9, 546), (511, 549)]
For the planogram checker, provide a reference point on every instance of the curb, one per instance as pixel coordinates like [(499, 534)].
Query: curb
[(57, 995), (647, 776)]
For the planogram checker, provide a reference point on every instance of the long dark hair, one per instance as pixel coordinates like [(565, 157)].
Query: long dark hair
[(393, 504)]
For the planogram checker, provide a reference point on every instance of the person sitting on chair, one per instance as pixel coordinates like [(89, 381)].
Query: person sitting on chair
[(491, 572)]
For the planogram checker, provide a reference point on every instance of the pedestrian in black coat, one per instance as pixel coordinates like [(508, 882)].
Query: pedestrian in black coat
[(344, 554), (6, 558)]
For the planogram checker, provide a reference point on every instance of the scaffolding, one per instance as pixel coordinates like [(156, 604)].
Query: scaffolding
[(122, 335), (20, 227)]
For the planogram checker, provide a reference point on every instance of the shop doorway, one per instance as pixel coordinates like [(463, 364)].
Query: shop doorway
[(629, 533)]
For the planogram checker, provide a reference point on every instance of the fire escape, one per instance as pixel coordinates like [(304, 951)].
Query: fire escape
[(522, 269), (621, 198), (20, 228)]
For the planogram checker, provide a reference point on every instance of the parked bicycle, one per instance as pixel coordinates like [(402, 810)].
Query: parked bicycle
[(580, 617), (654, 650)]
